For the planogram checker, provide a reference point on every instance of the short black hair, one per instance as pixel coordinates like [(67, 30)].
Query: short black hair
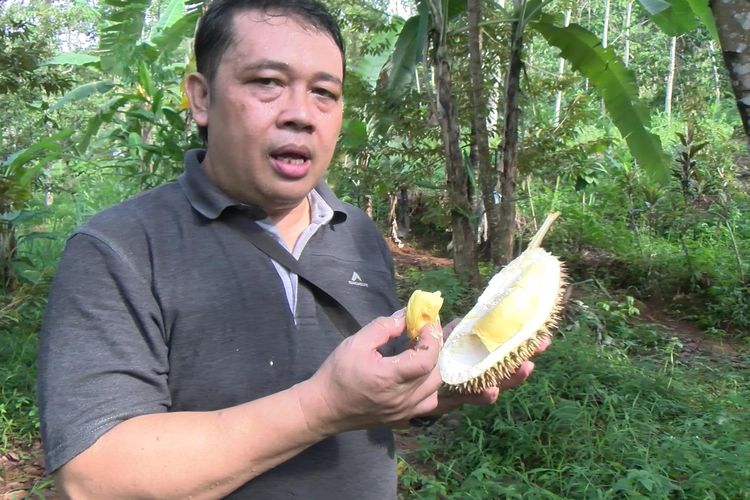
[(215, 29)]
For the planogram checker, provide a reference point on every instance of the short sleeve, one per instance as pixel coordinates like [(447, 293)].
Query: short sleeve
[(102, 354)]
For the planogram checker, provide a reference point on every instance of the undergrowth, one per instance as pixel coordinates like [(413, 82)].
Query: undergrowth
[(19, 324), (600, 419)]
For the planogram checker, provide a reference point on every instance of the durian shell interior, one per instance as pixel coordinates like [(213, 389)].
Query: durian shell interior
[(465, 363)]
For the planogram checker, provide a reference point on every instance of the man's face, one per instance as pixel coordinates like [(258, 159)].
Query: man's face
[(273, 112)]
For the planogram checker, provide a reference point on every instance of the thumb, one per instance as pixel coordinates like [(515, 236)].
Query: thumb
[(382, 329)]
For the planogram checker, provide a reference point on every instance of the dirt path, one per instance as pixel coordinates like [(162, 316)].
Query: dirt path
[(695, 340), (22, 474), (407, 257)]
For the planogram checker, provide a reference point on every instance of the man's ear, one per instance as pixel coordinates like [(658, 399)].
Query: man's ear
[(198, 92)]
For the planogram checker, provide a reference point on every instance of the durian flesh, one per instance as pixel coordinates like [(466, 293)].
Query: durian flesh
[(511, 317), (423, 309)]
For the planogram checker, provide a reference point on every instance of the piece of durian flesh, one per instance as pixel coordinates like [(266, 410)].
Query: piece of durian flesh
[(512, 316), (423, 309)]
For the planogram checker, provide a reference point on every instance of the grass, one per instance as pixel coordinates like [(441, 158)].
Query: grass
[(19, 421), (595, 422)]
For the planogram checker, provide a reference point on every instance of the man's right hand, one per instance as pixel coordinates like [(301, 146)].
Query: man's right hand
[(357, 387)]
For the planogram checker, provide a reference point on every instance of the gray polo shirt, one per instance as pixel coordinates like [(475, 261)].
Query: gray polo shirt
[(158, 306)]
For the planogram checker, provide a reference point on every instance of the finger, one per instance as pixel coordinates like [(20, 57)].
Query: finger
[(419, 361), (544, 344), (519, 377), (433, 330), (427, 387), (449, 402), (382, 329), (486, 397), (427, 404)]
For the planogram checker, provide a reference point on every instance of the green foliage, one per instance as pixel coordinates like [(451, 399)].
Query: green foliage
[(676, 17), (616, 86), (592, 423), (140, 131), (408, 52), (82, 92), (411, 44), (20, 169), (20, 316), (673, 18), (22, 50), (142, 120), (120, 37), (683, 243)]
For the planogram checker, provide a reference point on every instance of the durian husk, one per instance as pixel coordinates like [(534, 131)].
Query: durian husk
[(473, 358)]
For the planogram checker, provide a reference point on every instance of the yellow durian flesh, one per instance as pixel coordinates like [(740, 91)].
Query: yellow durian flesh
[(508, 317), (422, 309), (508, 322)]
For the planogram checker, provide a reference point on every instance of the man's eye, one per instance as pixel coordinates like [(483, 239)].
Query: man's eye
[(265, 82), (326, 93)]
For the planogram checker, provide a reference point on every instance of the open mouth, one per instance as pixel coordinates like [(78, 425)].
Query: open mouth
[(291, 161), (294, 160)]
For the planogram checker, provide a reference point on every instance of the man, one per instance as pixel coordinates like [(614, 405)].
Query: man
[(177, 360)]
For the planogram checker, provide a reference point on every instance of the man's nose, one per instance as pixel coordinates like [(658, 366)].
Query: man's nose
[(297, 109)]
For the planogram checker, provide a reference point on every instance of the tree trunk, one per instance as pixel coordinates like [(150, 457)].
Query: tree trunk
[(715, 70), (605, 41), (403, 211), (605, 28), (7, 254), (670, 77), (393, 220), (628, 19), (368, 206), (465, 261), (488, 176), (560, 74), (734, 34), (510, 144)]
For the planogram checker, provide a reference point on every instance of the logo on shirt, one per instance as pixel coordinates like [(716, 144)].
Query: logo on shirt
[(356, 280)]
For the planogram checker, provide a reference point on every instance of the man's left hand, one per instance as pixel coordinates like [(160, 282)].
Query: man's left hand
[(450, 401)]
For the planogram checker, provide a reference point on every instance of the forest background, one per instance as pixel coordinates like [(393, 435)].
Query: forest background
[(463, 127)]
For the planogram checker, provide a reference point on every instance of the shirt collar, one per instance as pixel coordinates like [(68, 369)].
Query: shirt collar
[(210, 201), (320, 211)]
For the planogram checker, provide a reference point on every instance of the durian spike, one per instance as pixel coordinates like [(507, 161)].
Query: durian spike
[(516, 311), (536, 242)]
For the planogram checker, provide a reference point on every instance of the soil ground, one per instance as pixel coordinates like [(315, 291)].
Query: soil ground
[(22, 473)]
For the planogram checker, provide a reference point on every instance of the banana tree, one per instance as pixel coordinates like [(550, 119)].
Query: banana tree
[(465, 261), (23, 45), (582, 49), (424, 37), (17, 174), (140, 65), (135, 64), (479, 105)]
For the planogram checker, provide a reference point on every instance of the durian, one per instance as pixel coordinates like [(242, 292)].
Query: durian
[(423, 309), (511, 317)]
